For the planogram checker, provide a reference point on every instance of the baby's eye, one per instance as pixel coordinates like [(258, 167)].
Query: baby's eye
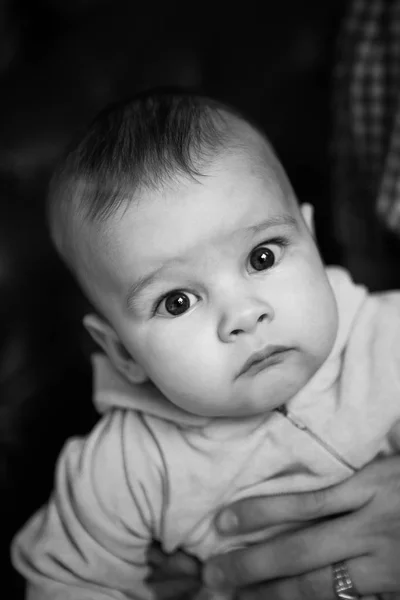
[(176, 303), (264, 257)]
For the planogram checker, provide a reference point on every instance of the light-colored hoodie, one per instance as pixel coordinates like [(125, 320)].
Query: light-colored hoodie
[(149, 470)]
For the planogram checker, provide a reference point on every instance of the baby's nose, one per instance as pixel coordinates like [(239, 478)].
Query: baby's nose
[(243, 319)]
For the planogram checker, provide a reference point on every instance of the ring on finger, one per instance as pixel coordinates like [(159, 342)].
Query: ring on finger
[(342, 583)]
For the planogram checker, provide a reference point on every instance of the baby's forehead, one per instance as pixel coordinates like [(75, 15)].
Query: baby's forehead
[(247, 150), (255, 148), (250, 158)]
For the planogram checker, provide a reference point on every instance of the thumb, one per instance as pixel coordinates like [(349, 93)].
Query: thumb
[(394, 436)]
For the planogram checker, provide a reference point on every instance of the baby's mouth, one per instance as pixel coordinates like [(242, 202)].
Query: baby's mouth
[(268, 356)]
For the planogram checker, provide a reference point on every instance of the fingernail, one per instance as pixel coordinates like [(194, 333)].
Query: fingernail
[(213, 576), (227, 521)]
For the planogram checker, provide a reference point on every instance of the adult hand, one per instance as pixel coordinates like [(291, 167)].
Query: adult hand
[(357, 521)]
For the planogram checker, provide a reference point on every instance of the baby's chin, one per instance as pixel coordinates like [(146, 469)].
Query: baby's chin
[(255, 395), (269, 395), (247, 408)]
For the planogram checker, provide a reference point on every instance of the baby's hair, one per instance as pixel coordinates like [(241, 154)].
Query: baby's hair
[(147, 141)]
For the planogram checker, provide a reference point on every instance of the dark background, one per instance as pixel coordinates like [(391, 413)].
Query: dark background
[(60, 62)]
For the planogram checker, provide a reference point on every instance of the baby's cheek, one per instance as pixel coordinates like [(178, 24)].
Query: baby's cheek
[(180, 354), (170, 358), (323, 330)]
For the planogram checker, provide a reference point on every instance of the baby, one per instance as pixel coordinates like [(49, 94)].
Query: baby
[(234, 364)]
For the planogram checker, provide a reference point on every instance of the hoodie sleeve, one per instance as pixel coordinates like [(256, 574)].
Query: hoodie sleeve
[(91, 540)]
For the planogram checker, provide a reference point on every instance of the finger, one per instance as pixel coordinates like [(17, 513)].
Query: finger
[(319, 584), (253, 514), (313, 586), (288, 554)]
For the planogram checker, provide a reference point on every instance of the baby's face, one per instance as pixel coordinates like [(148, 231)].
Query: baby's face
[(217, 290)]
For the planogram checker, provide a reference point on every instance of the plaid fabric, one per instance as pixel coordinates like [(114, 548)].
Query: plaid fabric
[(366, 143)]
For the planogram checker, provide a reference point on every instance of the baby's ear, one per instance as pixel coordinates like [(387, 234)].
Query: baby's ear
[(307, 210), (108, 340)]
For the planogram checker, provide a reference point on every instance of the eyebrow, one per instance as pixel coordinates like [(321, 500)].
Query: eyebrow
[(142, 282), (273, 221)]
